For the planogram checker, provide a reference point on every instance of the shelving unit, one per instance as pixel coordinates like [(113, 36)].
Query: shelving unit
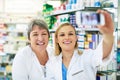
[(15, 15), (13, 36)]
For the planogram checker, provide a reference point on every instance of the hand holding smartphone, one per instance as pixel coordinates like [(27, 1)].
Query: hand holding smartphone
[(89, 18)]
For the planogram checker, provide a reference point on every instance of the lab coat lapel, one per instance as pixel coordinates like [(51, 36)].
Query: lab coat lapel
[(76, 63), (59, 66), (73, 60), (36, 62)]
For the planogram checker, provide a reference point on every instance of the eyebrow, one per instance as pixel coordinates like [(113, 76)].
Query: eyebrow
[(34, 31), (69, 31), (37, 32)]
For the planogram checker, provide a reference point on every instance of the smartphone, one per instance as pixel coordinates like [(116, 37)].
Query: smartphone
[(89, 18)]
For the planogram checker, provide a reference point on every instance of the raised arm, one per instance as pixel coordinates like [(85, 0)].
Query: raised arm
[(107, 32)]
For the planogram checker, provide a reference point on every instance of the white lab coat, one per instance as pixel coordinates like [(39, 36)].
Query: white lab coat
[(81, 67), (26, 65)]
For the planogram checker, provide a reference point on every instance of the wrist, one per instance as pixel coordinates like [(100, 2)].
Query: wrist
[(108, 38)]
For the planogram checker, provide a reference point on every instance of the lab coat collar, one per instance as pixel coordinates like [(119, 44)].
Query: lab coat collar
[(74, 54), (35, 60), (76, 62)]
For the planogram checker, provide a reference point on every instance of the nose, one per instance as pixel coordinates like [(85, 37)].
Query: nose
[(40, 37), (67, 37)]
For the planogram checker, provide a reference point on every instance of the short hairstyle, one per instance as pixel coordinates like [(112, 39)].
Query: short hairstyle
[(40, 23)]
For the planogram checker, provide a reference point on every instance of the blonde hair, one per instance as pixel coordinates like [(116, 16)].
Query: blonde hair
[(57, 47)]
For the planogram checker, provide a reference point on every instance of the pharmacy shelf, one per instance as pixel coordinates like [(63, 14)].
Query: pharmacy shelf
[(82, 9), (107, 72), (17, 40), (65, 11), (80, 29), (16, 31), (87, 29), (74, 10)]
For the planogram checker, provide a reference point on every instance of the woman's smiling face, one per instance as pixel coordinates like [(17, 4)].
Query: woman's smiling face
[(66, 37), (39, 38)]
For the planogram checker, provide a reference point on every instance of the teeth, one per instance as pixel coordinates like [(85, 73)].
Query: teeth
[(67, 42), (40, 43)]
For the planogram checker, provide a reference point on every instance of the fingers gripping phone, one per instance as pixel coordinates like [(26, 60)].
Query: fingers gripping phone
[(89, 18)]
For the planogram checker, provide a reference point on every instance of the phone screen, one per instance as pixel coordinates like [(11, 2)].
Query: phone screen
[(90, 18)]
